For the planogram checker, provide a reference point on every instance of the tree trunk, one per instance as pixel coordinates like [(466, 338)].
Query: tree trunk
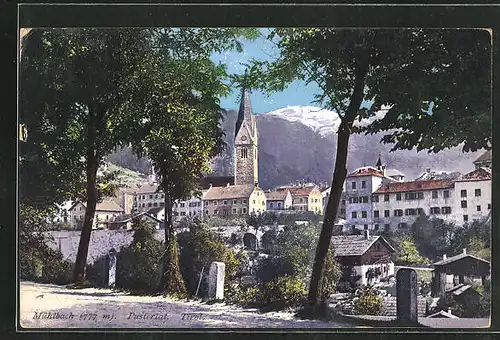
[(91, 172), (172, 279), (339, 176)]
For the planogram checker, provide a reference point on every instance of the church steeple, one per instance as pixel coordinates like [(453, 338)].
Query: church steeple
[(246, 143), (379, 163)]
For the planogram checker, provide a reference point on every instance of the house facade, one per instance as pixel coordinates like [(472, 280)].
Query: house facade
[(472, 196), (188, 208), (278, 200), (364, 259), (306, 198), (484, 161), (233, 200), (147, 197), (106, 211)]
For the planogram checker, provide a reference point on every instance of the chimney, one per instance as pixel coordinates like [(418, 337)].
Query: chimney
[(428, 170), (444, 257), (449, 310), (367, 234), (465, 251)]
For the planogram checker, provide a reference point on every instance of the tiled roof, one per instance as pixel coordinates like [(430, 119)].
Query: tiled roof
[(460, 289), (354, 245), (458, 257), (104, 206), (277, 195), (229, 192), (485, 157), (415, 186), (129, 217), (216, 181), (299, 191), (147, 188), (155, 210), (480, 174), (366, 171)]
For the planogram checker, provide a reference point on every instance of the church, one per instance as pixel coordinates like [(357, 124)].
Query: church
[(244, 196)]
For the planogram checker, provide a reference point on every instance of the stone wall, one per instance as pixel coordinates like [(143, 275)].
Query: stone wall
[(101, 241), (389, 306)]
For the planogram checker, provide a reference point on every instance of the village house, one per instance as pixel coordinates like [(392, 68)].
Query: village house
[(397, 205), (278, 200), (191, 207), (342, 208), (233, 200), (483, 161), (125, 221), (463, 269), (106, 211), (364, 259), (361, 184), (472, 196), (147, 197), (305, 198)]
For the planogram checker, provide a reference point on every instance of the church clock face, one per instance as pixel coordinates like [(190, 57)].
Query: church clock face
[(244, 138)]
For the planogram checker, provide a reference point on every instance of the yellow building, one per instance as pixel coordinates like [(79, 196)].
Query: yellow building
[(307, 198), (234, 200)]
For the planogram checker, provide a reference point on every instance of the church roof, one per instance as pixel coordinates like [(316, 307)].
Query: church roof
[(245, 111), (230, 192)]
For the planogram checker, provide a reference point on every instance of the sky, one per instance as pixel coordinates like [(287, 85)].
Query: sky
[(298, 93)]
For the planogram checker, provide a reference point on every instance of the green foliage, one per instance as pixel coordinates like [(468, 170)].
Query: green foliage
[(285, 291), (367, 301), (139, 266), (331, 276), (37, 261), (407, 252), (199, 247)]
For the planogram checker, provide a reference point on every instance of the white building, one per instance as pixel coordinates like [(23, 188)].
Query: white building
[(472, 196), (106, 211), (188, 208), (147, 197), (360, 185), (278, 200)]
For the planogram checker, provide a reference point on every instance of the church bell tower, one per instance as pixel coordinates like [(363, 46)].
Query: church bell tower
[(246, 166)]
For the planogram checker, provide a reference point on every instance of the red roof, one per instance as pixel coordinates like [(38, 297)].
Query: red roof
[(415, 186), (480, 174), (300, 191), (366, 171)]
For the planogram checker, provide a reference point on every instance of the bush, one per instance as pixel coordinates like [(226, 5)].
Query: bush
[(199, 247), (139, 266), (331, 276), (367, 301), (286, 291), (245, 296)]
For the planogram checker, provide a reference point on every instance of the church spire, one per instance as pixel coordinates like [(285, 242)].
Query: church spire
[(379, 163), (245, 112)]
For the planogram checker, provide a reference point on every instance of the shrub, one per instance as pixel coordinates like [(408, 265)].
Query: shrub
[(367, 301), (286, 291), (330, 277), (245, 296), (199, 247), (139, 266)]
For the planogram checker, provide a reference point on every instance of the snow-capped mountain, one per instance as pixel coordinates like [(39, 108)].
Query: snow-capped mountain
[(321, 121)]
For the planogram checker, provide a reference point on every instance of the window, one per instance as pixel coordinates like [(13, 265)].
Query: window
[(414, 195), (478, 208), (374, 198), (151, 196), (353, 185), (244, 153), (271, 205), (466, 218), (235, 201), (463, 204), (162, 196), (234, 210), (279, 205), (386, 197), (300, 200), (155, 204), (143, 205), (207, 203), (156, 195), (215, 202), (343, 202), (435, 210), (80, 208), (363, 214), (354, 214), (244, 210), (183, 213), (315, 200), (387, 213), (364, 199), (363, 184), (263, 203), (434, 194), (342, 211), (477, 192), (376, 213), (489, 206), (199, 204), (206, 212), (366, 226), (387, 227), (143, 197), (353, 200), (398, 212), (376, 226), (463, 193), (446, 210), (446, 194), (420, 211), (225, 202), (216, 212), (398, 197), (253, 201), (244, 201), (410, 212), (150, 204)]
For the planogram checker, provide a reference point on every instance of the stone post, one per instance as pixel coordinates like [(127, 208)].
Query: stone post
[(111, 267), (406, 296), (216, 280)]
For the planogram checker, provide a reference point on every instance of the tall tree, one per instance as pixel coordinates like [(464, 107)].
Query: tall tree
[(432, 84)]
